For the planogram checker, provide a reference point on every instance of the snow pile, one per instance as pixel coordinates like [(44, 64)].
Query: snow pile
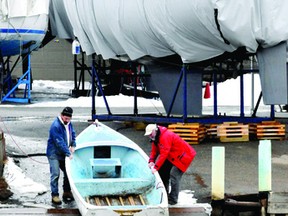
[(186, 197), (19, 183)]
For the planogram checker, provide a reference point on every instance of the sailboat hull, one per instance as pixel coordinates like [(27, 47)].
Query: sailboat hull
[(23, 32)]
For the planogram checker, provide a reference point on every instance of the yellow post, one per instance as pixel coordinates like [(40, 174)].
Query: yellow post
[(264, 165), (218, 173)]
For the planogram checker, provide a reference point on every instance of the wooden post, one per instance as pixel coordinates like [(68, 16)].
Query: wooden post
[(5, 192), (265, 167), (2, 150), (265, 172), (218, 173)]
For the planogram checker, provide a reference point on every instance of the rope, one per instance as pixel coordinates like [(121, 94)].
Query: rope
[(24, 153), (155, 107)]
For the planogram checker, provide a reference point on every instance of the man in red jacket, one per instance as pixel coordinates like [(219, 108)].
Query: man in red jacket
[(170, 156)]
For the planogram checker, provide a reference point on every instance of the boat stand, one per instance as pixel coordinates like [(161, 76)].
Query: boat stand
[(79, 76), (25, 79), (215, 118), (96, 81)]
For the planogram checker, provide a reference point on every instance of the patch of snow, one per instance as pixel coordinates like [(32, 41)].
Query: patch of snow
[(64, 87), (186, 199), (283, 159), (19, 183)]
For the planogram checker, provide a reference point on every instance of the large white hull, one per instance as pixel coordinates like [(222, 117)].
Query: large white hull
[(20, 33), (196, 30)]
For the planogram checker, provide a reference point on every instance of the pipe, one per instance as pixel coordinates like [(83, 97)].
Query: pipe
[(231, 202)]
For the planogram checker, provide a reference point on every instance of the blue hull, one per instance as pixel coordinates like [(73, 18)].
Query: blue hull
[(12, 45)]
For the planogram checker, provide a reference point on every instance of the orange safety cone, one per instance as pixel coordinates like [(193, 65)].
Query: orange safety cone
[(207, 91)]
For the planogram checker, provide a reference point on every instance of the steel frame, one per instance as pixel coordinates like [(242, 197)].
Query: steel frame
[(170, 119), (25, 79)]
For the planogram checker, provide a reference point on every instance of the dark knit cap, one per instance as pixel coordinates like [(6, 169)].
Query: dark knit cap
[(67, 111)]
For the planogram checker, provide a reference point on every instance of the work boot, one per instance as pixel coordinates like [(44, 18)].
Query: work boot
[(68, 196), (56, 200), (172, 202)]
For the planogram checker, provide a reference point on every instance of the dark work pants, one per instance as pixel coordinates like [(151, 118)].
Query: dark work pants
[(169, 173)]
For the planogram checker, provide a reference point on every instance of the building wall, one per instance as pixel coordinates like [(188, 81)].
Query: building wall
[(53, 62)]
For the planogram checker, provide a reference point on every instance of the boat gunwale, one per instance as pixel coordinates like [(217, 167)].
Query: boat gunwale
[(121, 142), (127, 144)]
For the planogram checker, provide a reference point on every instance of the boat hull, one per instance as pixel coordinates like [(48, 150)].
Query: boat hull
[(109, 175), (22, 34)]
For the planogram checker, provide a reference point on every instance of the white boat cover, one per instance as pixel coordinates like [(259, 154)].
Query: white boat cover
[(60, 24), (195, 29), (23, 8)]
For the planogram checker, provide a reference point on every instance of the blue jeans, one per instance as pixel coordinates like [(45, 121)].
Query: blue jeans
[(55, 167)]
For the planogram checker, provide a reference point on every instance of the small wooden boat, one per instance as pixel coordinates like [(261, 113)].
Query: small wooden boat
[(109, 175)]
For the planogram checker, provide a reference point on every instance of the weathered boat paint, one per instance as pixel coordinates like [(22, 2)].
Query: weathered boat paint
[(100, 188)]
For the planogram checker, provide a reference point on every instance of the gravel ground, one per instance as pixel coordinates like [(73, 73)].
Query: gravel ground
[(26, 131)]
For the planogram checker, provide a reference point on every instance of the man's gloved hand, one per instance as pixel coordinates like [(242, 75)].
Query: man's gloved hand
[(151, 164), (153, 170)]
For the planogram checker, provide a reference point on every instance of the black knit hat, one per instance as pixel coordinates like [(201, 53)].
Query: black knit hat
[(67, 111)]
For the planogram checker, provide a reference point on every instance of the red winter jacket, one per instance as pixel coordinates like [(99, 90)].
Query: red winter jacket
[(173, 148)]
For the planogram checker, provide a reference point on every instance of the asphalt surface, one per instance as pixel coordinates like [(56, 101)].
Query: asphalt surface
[(26, 131)]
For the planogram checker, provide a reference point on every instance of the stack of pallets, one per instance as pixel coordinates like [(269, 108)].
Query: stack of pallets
[(193, 133), (233, 132), (211, 131), (270, 130), (252, 131)]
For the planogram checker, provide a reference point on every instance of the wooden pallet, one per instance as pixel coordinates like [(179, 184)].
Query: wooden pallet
[(233, 132), (270, 130), (193, 133), (130, 200), (211, 131), (252, 131)]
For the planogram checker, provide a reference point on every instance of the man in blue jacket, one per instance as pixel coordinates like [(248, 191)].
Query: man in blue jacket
[(61, 143)]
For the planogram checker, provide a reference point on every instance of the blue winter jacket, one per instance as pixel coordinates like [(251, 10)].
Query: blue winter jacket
[(57, 146)]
